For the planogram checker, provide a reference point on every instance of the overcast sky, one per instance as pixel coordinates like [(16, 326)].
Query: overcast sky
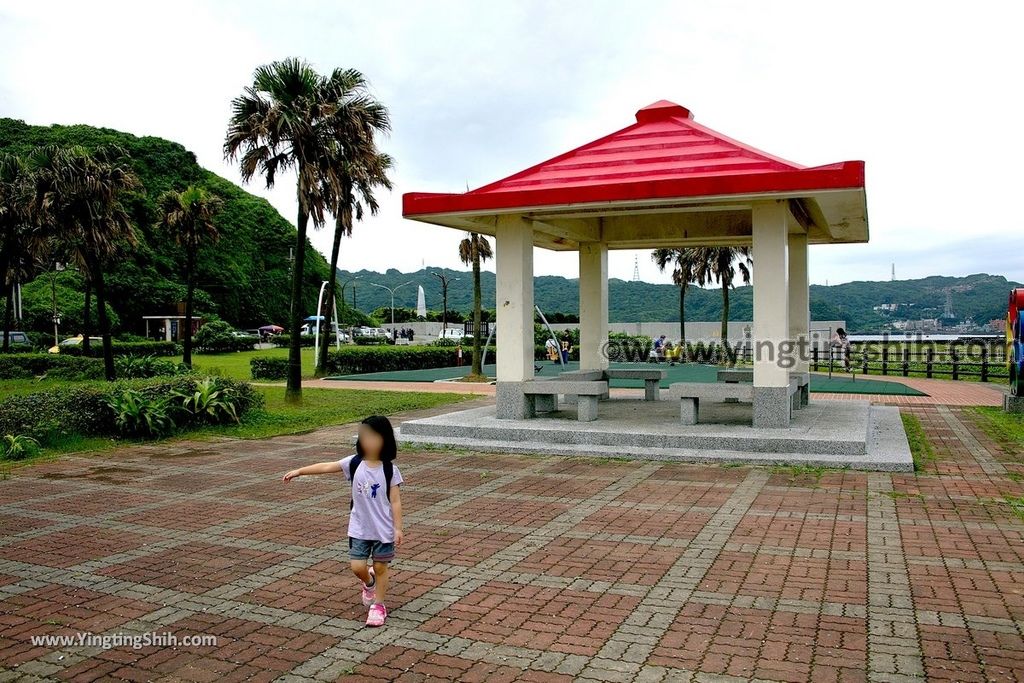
[(927, 93)]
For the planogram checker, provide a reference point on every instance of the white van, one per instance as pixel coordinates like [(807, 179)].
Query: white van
[(453, 333)]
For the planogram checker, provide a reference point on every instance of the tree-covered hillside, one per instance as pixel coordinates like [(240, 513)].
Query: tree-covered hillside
[(244, 278), (980, 297)]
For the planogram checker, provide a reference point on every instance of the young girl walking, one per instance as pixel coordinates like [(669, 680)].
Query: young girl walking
[(375, 520)]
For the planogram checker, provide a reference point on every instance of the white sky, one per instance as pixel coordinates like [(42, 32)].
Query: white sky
[(927, 93)]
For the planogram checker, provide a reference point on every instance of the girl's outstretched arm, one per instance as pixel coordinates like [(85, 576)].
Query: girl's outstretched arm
[(396, 511), (319, 468)]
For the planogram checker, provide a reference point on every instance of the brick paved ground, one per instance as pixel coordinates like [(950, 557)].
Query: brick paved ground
[(521, 567)]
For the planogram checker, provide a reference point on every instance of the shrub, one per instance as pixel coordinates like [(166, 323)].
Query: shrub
[(139, 367), (124, 348), (18, 348), (17, 447), (28, 365), (285, 340), (351, 360), (210, 402), (370, 340), (263, 367), (218, 336), (86, 409), (138, 415)]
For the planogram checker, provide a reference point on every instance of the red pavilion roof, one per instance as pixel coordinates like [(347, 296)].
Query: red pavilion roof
[(664, 155)]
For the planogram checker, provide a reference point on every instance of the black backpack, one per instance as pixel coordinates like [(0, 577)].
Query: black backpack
[(389, 470)]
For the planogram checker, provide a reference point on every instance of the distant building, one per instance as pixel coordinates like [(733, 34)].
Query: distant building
[(923, 325)]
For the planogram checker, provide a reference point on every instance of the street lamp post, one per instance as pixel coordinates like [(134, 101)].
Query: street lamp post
[(57, 267), (351, 330), (444, 299), (392, 290)]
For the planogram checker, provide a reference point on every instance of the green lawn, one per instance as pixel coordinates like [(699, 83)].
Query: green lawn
[(236, 365)]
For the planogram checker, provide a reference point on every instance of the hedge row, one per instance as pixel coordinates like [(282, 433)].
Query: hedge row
[(82, 409), (353, 360), (283, 340), (121, 348), (29, 365)]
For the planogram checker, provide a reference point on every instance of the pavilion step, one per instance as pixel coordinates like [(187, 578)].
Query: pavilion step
[(887, 449), (564, 433)]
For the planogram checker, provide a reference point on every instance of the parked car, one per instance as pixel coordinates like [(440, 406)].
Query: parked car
[(15, 337), (75, 341), (454, 333)]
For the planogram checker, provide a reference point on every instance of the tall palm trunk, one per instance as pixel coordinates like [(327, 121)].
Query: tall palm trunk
[(343, 225), (725, 320), (477, 354), (87, 318), (101, 306), (682, 323), (4, 261), (8, 315), (293, 390), (190, 287)]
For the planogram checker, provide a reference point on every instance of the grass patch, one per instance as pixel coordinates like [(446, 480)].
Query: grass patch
[(1006, 429), (796, 472), (1016, 505), (920, 448)]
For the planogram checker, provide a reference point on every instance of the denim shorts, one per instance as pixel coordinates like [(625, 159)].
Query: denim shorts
[(362, 549)]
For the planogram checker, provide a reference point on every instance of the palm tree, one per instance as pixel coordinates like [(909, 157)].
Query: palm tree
[(720, 264), (77, 197), (357, 177), (189, 217), (684, 265), (472, 251), (15, 244), (291, 117)]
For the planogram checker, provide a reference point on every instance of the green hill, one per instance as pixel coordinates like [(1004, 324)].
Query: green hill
[(980, 297), (244, 278)]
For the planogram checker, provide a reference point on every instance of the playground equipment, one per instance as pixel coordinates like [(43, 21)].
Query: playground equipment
[(1015, 341), (561, 358)]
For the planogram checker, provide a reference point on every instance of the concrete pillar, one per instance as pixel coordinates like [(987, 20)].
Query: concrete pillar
[(593, 305), (799, 310), (513, 242), (770, 255)]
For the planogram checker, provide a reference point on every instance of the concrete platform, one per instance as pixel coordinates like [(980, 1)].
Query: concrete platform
[(851, 434)]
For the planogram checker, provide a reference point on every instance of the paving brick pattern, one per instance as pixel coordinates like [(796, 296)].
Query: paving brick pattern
[(520, 567)]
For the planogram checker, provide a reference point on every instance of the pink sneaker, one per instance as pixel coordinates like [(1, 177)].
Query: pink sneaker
[(378, 613), (369, 592)]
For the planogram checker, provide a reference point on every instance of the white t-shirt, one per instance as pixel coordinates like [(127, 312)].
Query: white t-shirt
[(371, 517)]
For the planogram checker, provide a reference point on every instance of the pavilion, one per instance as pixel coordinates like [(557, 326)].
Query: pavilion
[(664, 181)]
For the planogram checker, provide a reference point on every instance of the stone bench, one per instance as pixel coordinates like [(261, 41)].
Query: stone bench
[(542, 395), (583, 376), (800, 398), (690, 394), (735, 375), (652, 379)]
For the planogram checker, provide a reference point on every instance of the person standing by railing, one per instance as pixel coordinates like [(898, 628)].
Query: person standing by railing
[(841, 341)]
